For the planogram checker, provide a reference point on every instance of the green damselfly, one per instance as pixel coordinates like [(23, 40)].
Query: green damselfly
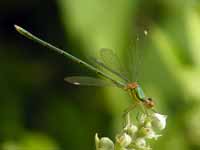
[(133, 88)]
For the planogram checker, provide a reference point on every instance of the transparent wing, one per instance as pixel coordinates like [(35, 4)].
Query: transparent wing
[(100, 63), (112, 63), (136, 54), (88, 81), (109, 57)]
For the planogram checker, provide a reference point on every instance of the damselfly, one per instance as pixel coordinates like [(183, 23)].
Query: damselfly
[(133, 88)]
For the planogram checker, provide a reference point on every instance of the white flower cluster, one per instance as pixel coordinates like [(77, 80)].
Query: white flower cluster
[(135, 137)]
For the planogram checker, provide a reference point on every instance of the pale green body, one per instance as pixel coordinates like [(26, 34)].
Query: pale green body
[(139, 93), (138, 90)]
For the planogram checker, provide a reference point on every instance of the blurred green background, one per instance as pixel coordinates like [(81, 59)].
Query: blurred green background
[(39, 111)]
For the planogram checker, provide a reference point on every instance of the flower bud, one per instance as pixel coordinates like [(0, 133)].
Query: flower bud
[(152, 135), (140, 143), (131, 129), (159, 121), (148, 124), (124, 140), (143, 132), (142, 118), (103, 143)]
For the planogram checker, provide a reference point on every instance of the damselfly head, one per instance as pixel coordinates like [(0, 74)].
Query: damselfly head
[(149, 103)]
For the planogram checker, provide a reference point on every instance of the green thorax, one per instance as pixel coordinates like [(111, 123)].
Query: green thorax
[(139, 93)]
